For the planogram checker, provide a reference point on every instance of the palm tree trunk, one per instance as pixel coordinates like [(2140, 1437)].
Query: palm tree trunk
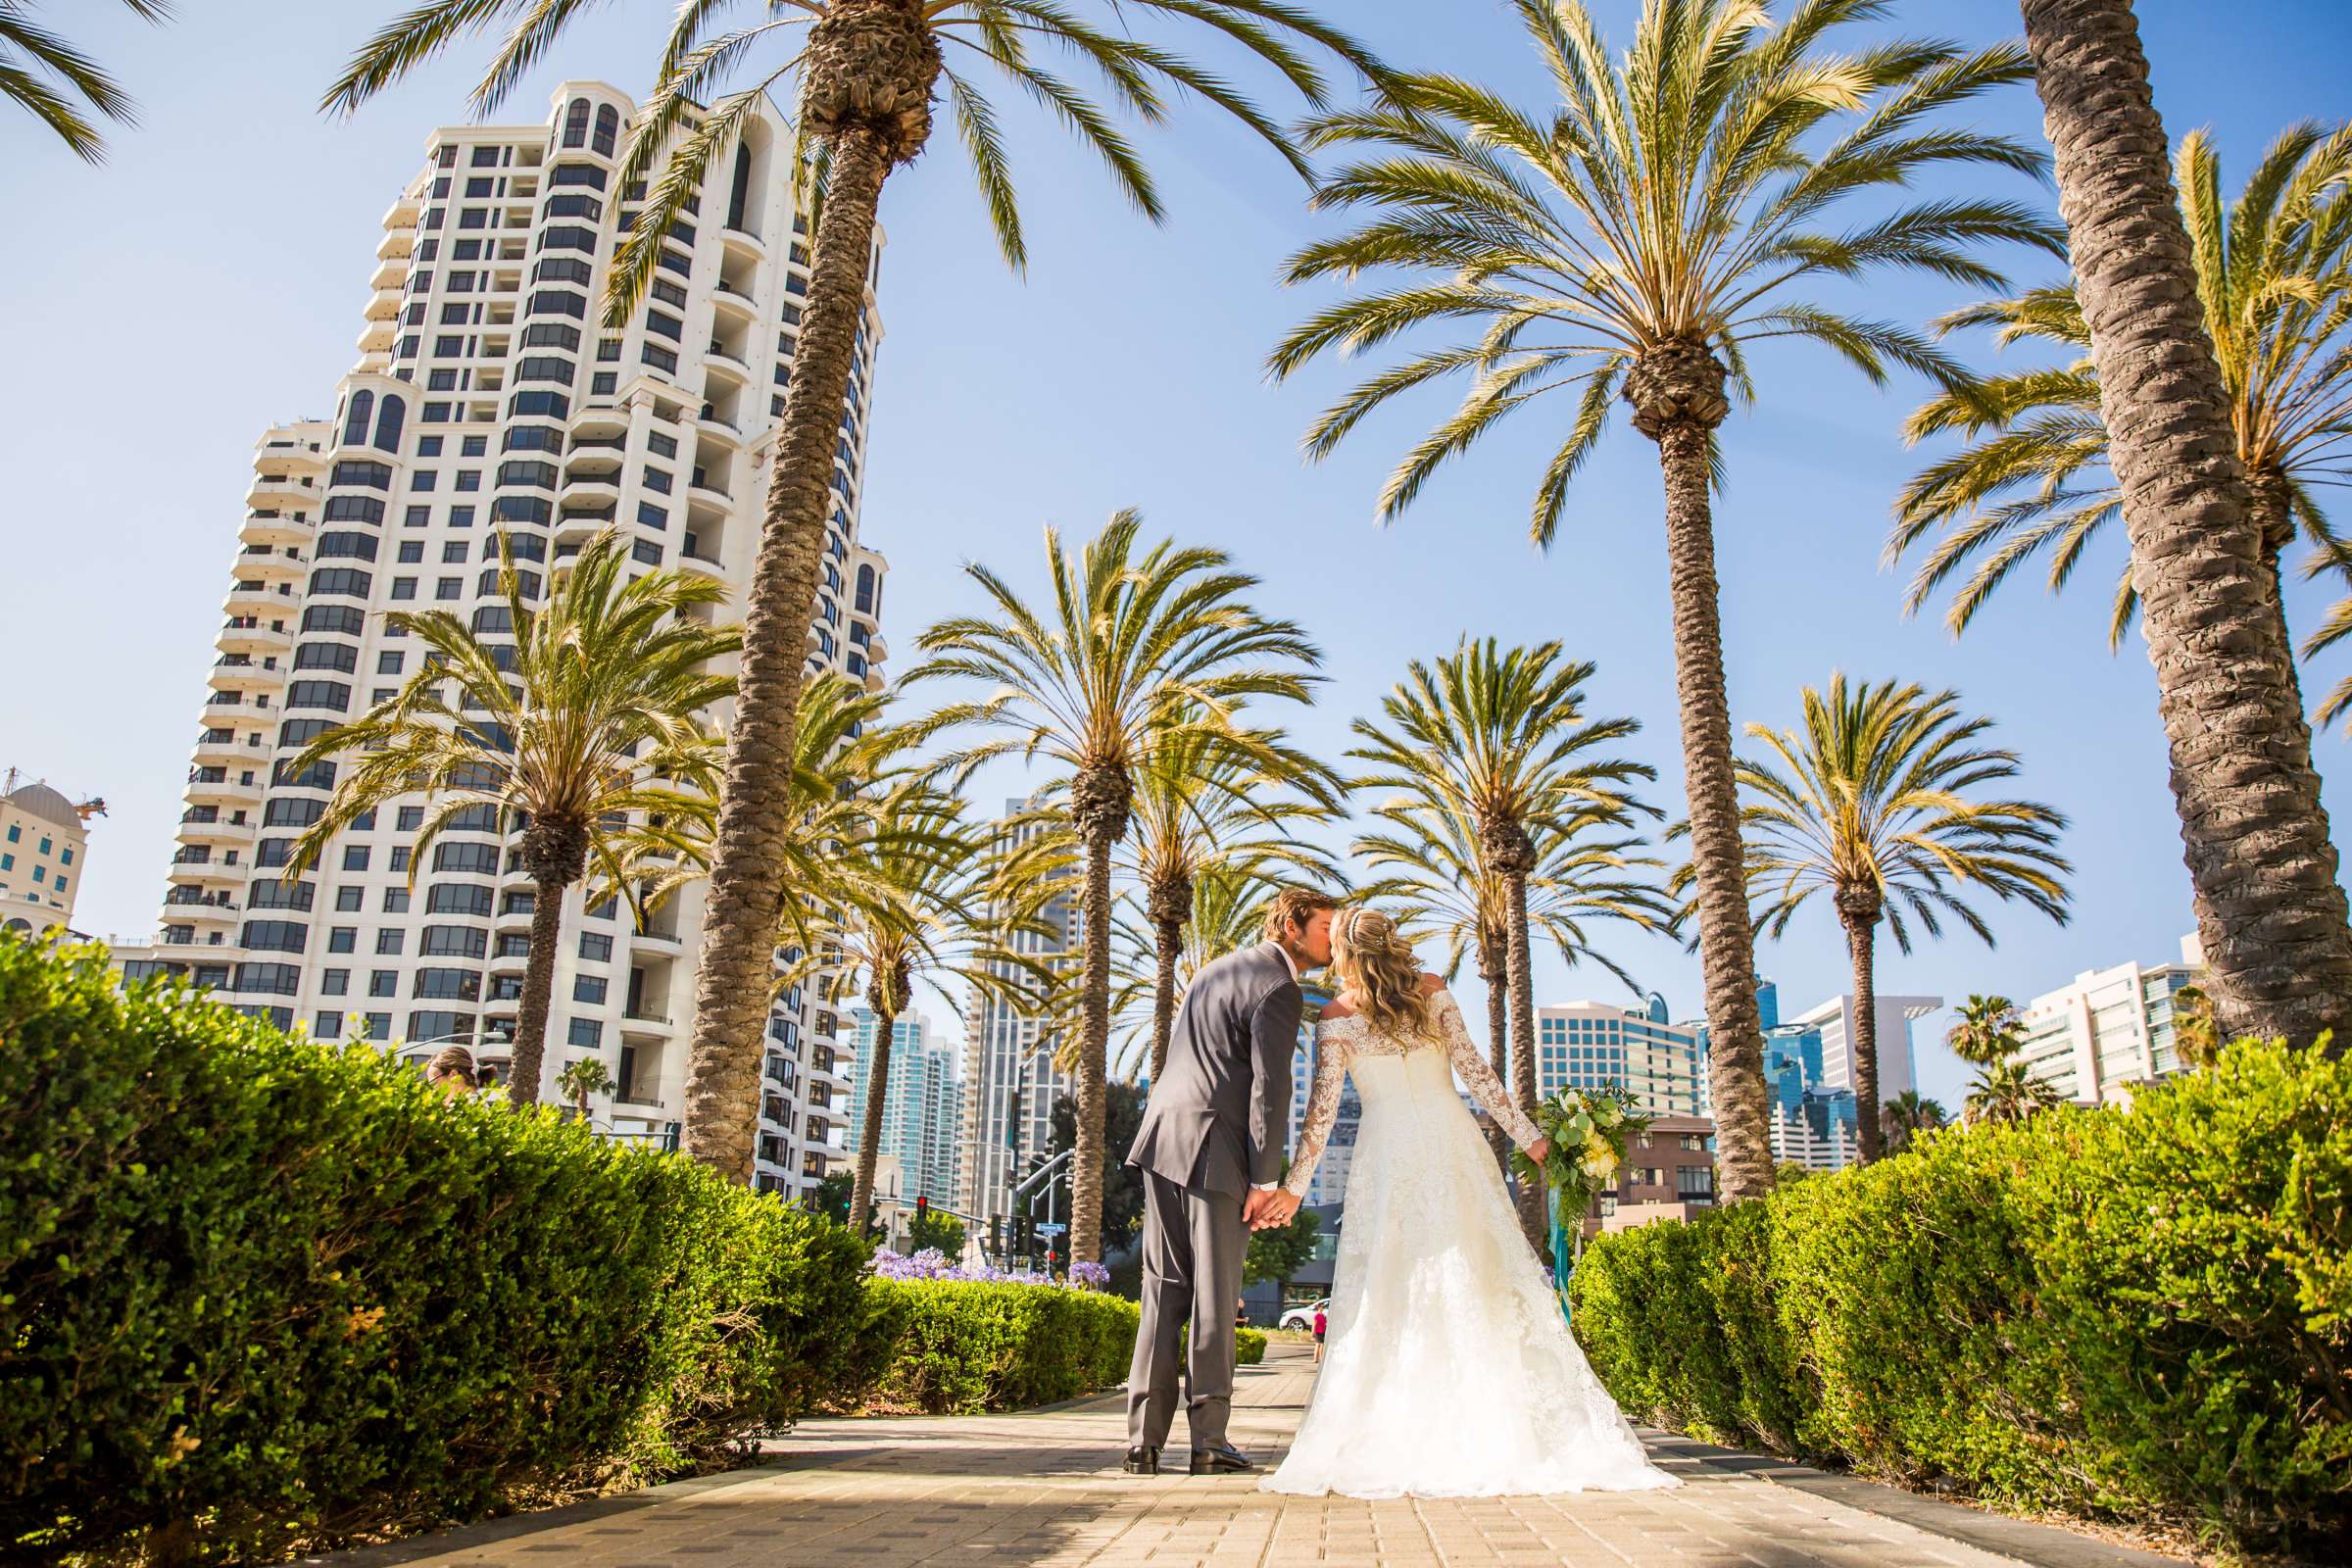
[(1094, 1048), (734, 979), (869, 1136), (1677, 393), (2275, 526), (1099, 800), (1861, 939), (2260, 864), (556, 854), (1518, 960), (1170, 935)]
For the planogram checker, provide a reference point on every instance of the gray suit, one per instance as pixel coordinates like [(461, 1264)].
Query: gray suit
[(1215, 1126)]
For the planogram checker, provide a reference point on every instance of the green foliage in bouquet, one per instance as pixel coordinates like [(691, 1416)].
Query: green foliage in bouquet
[(1588, 1129)]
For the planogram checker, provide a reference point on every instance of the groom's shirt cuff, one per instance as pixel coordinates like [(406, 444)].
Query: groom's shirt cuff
[(1263, 1187)]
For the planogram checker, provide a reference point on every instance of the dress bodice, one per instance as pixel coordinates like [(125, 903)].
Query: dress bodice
[(1389, 1064)]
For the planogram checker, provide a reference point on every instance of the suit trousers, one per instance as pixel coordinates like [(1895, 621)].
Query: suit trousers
[(1194, 1242)]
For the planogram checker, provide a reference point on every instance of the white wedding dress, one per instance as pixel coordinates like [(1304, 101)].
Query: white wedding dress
[(1448, 1371)]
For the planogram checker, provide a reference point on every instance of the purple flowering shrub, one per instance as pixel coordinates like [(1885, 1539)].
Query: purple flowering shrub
[(932, 1264)]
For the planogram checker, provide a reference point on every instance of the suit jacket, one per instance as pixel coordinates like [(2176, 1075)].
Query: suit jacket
[(1220, 1114)]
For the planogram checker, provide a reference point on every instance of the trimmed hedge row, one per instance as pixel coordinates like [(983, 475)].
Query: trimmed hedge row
[(2142, 1315), (960, 1346), (257, 1293), (1249, 1347)]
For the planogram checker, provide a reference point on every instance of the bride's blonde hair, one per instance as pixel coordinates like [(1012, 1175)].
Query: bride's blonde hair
[(1378, 970)]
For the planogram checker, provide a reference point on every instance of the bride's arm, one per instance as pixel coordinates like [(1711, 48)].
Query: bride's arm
[(1446, 1015), (1322, 1110)]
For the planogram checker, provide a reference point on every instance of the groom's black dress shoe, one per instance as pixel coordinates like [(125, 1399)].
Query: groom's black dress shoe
[(1224, 1460), (1142, 1461)]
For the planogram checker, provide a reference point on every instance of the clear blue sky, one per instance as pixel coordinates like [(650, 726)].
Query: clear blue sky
[(156, 314)]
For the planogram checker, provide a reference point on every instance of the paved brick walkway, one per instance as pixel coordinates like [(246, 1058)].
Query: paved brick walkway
[(1044, 1488)]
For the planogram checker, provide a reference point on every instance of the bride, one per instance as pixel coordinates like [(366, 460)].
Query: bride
[(1450, 1371)]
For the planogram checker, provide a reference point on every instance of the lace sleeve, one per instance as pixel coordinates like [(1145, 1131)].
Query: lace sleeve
[(1446, 1015), (1322, 1110)]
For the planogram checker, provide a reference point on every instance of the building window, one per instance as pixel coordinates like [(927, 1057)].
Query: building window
[(586, 1033)]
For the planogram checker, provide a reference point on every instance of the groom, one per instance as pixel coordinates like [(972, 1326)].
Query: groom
[(1210, 1151)]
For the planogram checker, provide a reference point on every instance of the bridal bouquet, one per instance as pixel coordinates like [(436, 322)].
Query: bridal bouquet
[(1588, 1129)]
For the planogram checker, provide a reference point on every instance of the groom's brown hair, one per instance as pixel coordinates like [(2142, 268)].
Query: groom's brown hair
[(1295, 906)]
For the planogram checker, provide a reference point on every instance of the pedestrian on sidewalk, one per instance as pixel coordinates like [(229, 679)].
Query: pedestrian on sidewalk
[(1320, 1322)]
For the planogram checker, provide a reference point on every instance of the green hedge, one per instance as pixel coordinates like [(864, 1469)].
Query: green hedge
[(257, 1293), (1249, 1347), (2141, 1314), (964, 1346)]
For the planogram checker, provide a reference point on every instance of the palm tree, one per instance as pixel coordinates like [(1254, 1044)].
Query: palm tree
[(1871, 804), (1132, 640), (2262, 867), (588, 717), (1987, 1035), (2195, 1040), (1636, 240), (867, 72), (27, 50), (1500, 741), (1986, 1032), (2006, 1092), (582, 1077), (1908, 1116), (927, 909), (2035, 481)]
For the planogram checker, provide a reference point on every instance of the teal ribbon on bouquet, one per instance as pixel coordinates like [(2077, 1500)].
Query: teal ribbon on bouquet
[(1563, 1250)]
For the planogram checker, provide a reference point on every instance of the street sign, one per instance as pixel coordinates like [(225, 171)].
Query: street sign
[(1051, 1228)]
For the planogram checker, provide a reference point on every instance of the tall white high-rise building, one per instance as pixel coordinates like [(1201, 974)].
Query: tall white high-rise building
[(489, 402), (2095, 1040), (1009, 1080), (922, 1108), (1834, 1019)]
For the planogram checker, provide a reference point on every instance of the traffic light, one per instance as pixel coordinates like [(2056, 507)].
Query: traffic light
[(922, 1209)]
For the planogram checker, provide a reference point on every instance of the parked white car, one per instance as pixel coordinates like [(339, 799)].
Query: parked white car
[(1302, 1318)]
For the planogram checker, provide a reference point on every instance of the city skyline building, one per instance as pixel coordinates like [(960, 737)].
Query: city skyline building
[(922, 1108), (2111, 1030), (44, 853), (1588, 1045), (491, 406), (1009, 1080), (1899, 1069)]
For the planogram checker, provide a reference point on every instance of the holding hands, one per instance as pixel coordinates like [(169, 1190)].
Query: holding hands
[(1267, 1207)]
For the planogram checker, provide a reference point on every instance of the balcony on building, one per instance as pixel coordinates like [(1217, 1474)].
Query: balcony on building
[(282, 490), (252, 597), (277, 526), (744, 250), (731, 298), (274, 563), (724, 356)]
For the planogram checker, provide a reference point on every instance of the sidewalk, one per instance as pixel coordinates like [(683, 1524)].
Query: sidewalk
[(1044, 1486)]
